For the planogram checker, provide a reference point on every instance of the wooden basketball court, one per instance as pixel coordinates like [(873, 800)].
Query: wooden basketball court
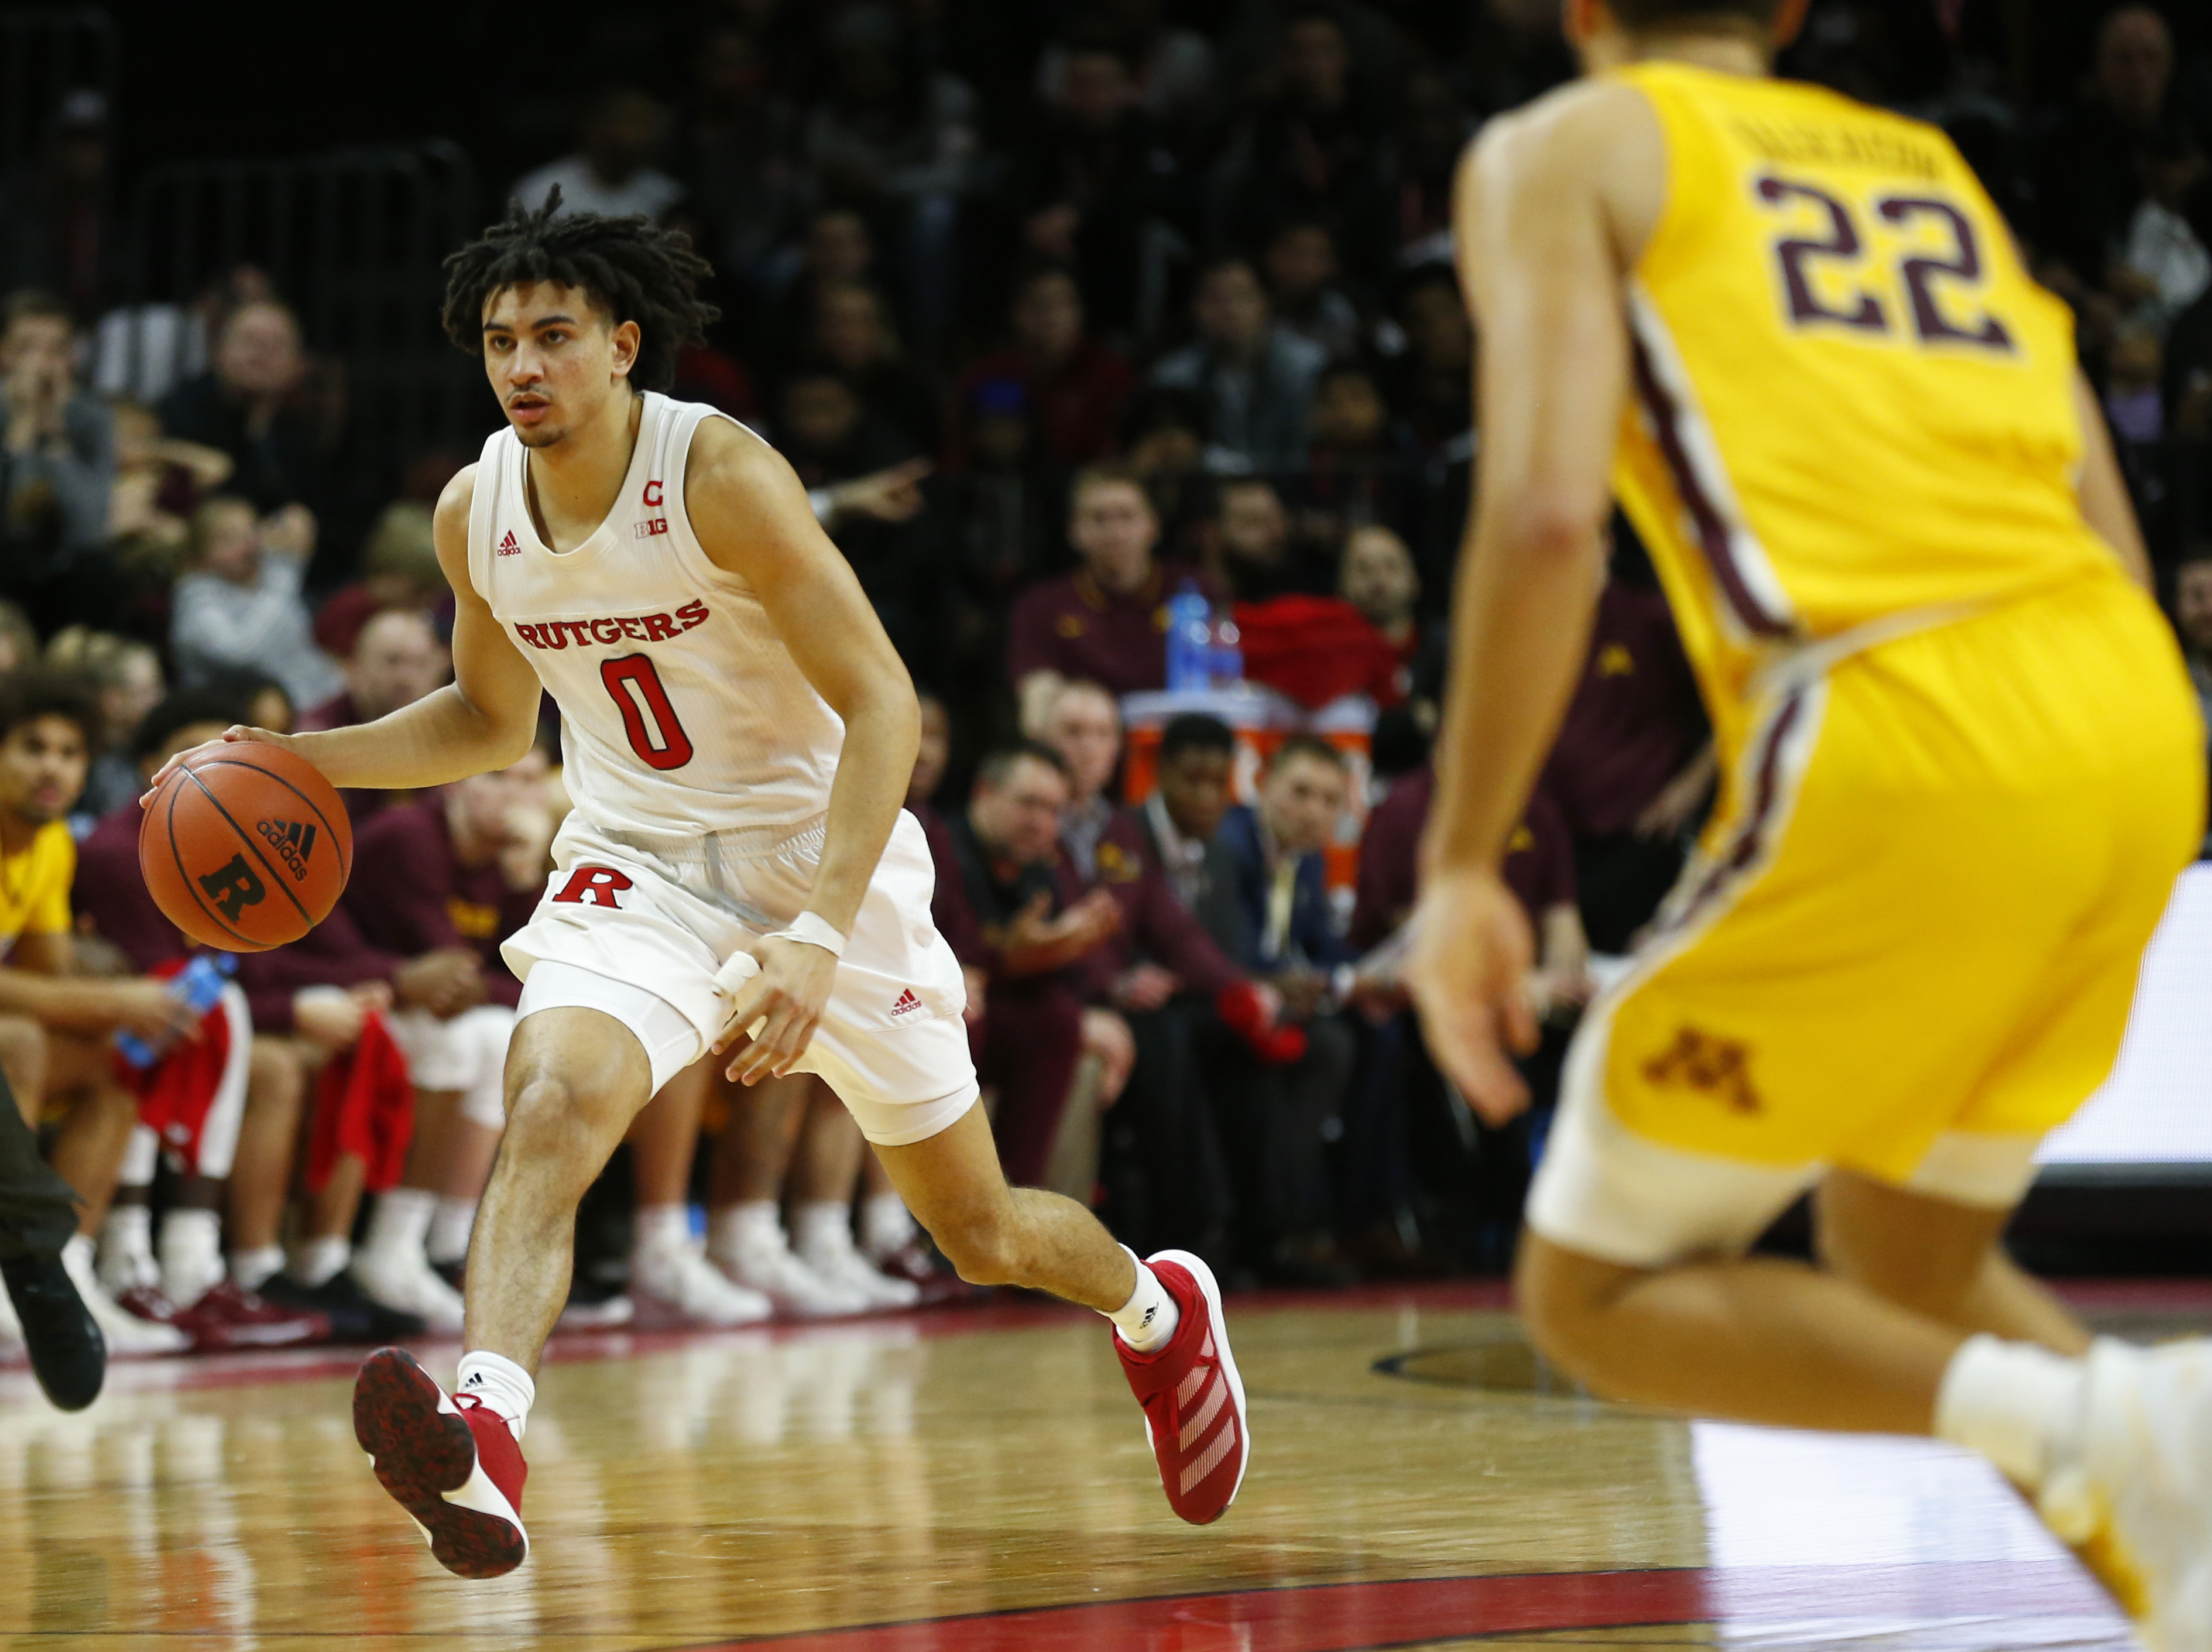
[(976, 1480)]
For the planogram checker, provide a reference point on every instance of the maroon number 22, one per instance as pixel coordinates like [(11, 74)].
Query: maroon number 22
[(638, 694), (1862, 310)]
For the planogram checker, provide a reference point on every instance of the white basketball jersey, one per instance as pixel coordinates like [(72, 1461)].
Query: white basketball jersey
[(681, 709)]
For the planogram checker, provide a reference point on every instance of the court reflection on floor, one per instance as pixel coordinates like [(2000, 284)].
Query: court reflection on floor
[(750, 1484)]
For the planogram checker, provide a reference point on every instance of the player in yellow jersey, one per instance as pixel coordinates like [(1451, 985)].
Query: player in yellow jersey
[(1962, 767)]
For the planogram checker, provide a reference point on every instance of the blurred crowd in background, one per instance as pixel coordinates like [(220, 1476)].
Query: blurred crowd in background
[(1118, 345)]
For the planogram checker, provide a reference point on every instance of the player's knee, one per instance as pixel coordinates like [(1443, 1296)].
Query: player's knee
[(276, 1079), (982, 1247), (1562, 1303), (552, 1123)]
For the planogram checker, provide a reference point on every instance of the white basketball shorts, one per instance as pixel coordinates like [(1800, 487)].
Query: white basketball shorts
[(662, 914)]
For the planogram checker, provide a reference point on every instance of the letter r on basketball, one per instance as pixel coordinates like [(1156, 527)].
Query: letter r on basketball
[(595, 886), (235, 886)]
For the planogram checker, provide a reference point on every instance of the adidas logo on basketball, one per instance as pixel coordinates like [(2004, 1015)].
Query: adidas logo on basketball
[(507, 546), (907, 1005), (292, 842)]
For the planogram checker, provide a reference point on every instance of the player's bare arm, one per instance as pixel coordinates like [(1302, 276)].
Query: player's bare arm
[(484, 719), (1553, 209), (752, 519), (2104, 500)]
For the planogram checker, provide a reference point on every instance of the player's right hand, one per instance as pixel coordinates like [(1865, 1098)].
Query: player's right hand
[(236, 732), (1471, 954)]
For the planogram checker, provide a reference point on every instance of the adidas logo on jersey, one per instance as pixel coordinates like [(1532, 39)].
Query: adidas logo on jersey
[(292, 842), (507, 546), (907, 1005)]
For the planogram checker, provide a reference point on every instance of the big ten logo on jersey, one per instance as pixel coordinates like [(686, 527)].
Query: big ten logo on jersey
[(651, 526), (635, 628), (594, 886), (1897, 257)]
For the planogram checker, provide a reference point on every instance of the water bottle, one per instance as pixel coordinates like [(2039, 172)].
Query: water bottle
[(198, 985), (1190, 640), (1226, 653)]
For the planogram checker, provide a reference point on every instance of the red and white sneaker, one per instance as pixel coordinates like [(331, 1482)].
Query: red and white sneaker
[(453, 1465), (1194, 1400)]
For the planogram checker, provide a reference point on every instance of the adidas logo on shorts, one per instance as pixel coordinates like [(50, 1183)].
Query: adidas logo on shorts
[(908, 1003), (507, 547), (292, 842)]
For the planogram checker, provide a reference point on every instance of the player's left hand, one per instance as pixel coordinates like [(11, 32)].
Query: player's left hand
[(1471, 954), (781, 1006), (236, 732)]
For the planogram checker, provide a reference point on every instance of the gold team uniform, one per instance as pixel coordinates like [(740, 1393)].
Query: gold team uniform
[(1962, 761)]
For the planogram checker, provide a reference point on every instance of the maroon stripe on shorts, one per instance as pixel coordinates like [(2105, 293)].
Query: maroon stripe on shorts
[(1750, 839), (1712, 532)]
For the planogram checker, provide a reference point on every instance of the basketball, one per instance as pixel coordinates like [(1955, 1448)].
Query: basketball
[(245, 846)]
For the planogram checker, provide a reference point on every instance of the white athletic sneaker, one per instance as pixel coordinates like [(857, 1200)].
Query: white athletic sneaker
[(2132, 1491), (11, 1328), (405, 1282), (833, 1257), (777, 1273), (680, 1281), (128, 1336)]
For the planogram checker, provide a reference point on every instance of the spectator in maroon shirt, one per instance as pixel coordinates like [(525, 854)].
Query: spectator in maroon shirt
[(1376, 1175), (1538, 868), (1077, 387), (1106, 622), (1033, 943), (1633, 767), (396, 659), (458, 872)]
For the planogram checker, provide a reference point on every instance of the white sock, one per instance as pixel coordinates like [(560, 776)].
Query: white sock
[(2011, 1401), (660, 1230), (886, 1225), (192, 1254), (821, 1227), (127, 1248), (450, 1229), (401, 1223), (252, 1269), (500, 1384), (750, 1225), (1149, 1318), (319, 1260)]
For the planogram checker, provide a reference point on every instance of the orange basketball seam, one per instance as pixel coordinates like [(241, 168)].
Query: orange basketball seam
[(246, 838), (192, 884)]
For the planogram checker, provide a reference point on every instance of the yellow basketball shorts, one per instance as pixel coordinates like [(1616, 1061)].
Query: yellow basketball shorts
[(1909, 942)]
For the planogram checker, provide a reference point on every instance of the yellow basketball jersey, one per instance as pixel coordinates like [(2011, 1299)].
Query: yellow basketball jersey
[(1850, 401)]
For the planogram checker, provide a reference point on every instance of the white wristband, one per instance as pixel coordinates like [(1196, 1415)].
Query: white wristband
[(813, 929)]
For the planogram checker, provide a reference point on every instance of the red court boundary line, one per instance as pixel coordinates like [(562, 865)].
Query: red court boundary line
[(1360, 1617)]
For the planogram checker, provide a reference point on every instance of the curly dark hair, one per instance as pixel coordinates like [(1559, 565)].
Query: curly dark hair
[(632, 269), (34, 692)]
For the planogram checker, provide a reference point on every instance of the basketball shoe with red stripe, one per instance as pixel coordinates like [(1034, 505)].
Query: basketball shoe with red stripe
[(452, 1465), (1194, 1400)]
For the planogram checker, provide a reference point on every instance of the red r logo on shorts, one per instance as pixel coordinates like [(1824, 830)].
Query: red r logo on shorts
[(594, 885)]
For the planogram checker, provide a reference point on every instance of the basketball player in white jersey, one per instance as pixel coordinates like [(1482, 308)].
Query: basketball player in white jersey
[(738, 874)]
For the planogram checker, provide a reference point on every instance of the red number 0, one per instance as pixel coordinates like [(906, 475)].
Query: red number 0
[(636, 689)]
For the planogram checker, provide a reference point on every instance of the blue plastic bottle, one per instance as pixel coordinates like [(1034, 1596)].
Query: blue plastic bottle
[(1226, 653), (1190, 640), (198, 985)]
